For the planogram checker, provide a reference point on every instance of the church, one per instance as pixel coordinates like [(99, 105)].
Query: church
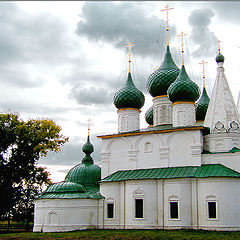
[(182, 171)]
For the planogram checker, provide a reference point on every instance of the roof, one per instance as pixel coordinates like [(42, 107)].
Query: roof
[(156, 129), (222, 107), (204, 171), (91, 193)]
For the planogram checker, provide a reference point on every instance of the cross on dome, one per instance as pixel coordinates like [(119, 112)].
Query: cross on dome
[(130, 45), (203, 64), (182, 35), (89, 120), (167, 9), (219, 46)]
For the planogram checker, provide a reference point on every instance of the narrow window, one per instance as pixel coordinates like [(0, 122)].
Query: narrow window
[(212, 210), (138, 208), (110, 208), (174, 210)]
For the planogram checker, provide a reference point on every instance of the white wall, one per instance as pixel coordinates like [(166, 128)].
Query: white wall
[(177, 148), (58, 215), (192, 195)]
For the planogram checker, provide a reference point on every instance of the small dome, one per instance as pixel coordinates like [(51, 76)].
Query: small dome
[(219, 58), (183, 88), (129, 96), (85, 173), (65, 187), (149, 116), (202, 106), (88, 148), (159, 81)]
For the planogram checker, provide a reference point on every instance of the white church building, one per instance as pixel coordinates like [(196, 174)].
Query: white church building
[(182, 171)]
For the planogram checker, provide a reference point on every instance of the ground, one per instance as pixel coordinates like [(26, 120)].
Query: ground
[(128, 234)]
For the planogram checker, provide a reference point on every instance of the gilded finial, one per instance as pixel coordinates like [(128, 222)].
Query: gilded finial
[(156, 68), (130, 45), (167, 9), (203, 64), (89, 120), (219, 46), (182, 35)]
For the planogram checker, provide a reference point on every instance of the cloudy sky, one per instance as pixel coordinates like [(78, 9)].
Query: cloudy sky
[(65, 60)]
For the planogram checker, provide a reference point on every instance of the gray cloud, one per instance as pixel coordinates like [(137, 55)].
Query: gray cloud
[(227, 11), (30, 43), (117, 23), (206, 40), (91, 95)]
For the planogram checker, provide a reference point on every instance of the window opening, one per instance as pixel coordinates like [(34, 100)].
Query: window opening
[(212, 210), (138, 208), (110, 209), (174, 210)]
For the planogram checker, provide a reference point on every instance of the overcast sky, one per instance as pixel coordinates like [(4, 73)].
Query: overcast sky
[(65, 60)]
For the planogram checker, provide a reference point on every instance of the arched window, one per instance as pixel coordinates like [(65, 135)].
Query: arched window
[(174, 207), (52, 216), (110, 208), (148, 147), (212, 207), (138, 197)]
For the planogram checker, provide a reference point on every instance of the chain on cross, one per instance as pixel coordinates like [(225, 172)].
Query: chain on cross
[(130, 45), (203, 64)]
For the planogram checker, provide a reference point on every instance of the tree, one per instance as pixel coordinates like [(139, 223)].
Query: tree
[(22, 143)]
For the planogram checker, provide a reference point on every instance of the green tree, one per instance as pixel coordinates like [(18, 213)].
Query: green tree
[(22, 143)]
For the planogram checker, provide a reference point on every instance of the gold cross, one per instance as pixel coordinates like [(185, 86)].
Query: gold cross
[(182, 35), (130, 45), (219, 46), (89, 120), (167, 9), (156, 68), (203, 64)]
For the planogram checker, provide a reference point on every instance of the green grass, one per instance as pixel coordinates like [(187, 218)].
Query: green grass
[(128, 234)]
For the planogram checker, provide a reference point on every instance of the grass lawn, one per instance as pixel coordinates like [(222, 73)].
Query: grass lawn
[(128, 234)]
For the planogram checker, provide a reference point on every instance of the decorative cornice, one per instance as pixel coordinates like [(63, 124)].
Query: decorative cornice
[(175, 103), (159, 96), (122, 109), (152, 132)]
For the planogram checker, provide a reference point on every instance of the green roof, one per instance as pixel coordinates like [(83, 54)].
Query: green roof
[(183, 88), (204, 171), (91, 193), (149, 116), (159, 81), (202, 106), (129, 96), (219, 58)]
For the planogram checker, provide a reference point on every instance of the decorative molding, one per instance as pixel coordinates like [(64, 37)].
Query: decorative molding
[(105, 156), (164, 153), (211, 196), (173, 197), (138, 192), (132, 155), (219, 128)]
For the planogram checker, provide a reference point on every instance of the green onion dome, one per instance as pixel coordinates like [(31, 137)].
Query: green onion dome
[(149, 116), (86, 173), (219, 58), (183, 88), (202, 106), (129, 96), (65, 187), (159, 81)]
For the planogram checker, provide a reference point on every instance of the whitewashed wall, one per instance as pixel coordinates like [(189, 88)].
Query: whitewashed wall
[(192, 195), (59, 215), (151, 151)]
